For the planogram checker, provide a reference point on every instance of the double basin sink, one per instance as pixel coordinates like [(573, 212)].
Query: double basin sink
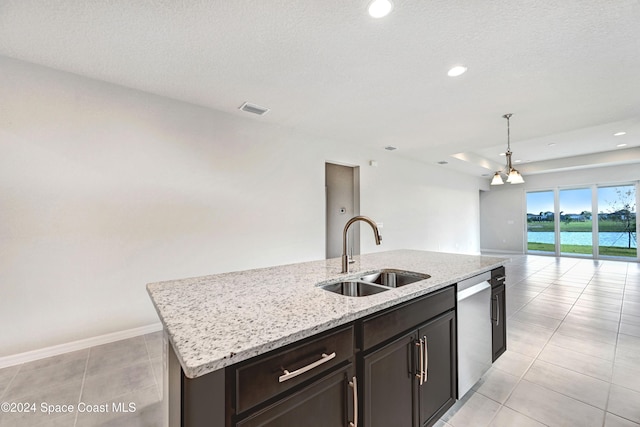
[(373, 282)]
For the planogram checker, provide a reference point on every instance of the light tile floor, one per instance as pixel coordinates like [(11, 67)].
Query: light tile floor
[(573, 359), (120, 373)]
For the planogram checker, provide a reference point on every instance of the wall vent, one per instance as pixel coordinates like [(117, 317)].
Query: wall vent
[(253, 108)]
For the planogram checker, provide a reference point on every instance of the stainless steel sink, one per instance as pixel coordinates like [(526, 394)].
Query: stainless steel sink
[(373, 283), (354, 288), (393, 278)]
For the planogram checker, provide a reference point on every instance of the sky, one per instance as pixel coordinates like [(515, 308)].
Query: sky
[(574, 200)]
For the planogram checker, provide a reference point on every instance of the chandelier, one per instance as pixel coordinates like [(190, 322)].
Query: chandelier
[(513, 176)]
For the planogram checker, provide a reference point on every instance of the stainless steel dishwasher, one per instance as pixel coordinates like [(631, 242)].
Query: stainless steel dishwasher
[(474, 330)]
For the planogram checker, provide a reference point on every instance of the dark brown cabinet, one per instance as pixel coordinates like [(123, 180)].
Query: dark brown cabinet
[(326, 402), (388, 378), (312, 383), (498, 315), (396, 367), (410, 379), (438, 391)]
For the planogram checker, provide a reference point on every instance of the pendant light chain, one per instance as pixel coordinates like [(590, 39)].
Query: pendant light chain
[(508, 153), (513, 176), (508, 116)]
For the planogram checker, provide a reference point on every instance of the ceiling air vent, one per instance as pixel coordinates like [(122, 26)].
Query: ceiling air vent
[(390, 148), (253, 108)]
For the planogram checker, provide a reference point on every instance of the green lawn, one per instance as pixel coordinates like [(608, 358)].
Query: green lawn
[(564, 226), (604, 225), (585, 250)]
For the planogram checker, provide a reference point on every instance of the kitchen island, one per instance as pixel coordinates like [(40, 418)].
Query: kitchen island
[(214, 323)]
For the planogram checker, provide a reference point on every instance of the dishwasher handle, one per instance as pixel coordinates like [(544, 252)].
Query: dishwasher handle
[(475, 289)]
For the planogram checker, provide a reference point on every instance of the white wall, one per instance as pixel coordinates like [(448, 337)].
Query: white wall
[(503, 208), (104, 189), (501, 219)]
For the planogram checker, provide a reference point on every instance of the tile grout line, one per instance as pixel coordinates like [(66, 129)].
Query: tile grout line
[(155, 381), (541, 350), (521, 378), (615, 353), (503, 404), (573, 305), (4, 392), (610, 382), (84, 376), (6, 389), (590, 281), (616, 350)]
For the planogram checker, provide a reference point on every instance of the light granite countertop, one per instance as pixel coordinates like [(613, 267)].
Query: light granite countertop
[(218, 320)]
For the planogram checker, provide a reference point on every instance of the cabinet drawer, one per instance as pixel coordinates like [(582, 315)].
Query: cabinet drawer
[(265, 376), (325, 402), (396, 320)]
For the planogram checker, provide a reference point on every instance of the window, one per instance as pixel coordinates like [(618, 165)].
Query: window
[(617, 221), (541, 235), (576, 228), (596, 221)]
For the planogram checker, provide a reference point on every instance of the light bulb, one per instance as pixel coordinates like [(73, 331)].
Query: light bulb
[(457, 71), (497, 179), (380, 8)]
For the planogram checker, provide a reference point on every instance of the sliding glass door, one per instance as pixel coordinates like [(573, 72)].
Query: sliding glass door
[(595, 221), (541, 235), (617, 221), (576, 226)]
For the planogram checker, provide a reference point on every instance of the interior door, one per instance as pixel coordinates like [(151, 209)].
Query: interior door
[(342, 204)]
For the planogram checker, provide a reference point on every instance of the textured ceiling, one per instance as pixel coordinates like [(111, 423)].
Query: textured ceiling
[(568, 70)]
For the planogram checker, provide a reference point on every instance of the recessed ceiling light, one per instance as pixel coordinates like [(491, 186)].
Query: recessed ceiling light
[(621, 145), (380, 8), (456, 71), (502, 154), (552, 144), (619, 133), (517, 161)]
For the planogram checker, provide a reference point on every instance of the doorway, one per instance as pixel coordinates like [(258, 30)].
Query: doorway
[(342, 192)]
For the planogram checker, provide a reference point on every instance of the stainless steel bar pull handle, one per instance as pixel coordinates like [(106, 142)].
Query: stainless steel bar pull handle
[(426, 359), (421, 362), (498, 309), (354, 385), (418, 371), (288, 375), (491, 311), (500, 279)]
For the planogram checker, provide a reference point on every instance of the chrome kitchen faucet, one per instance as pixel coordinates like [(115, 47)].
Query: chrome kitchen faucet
[(376, 234)]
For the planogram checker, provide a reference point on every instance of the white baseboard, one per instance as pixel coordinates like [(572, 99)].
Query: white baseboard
[(30, 356)]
